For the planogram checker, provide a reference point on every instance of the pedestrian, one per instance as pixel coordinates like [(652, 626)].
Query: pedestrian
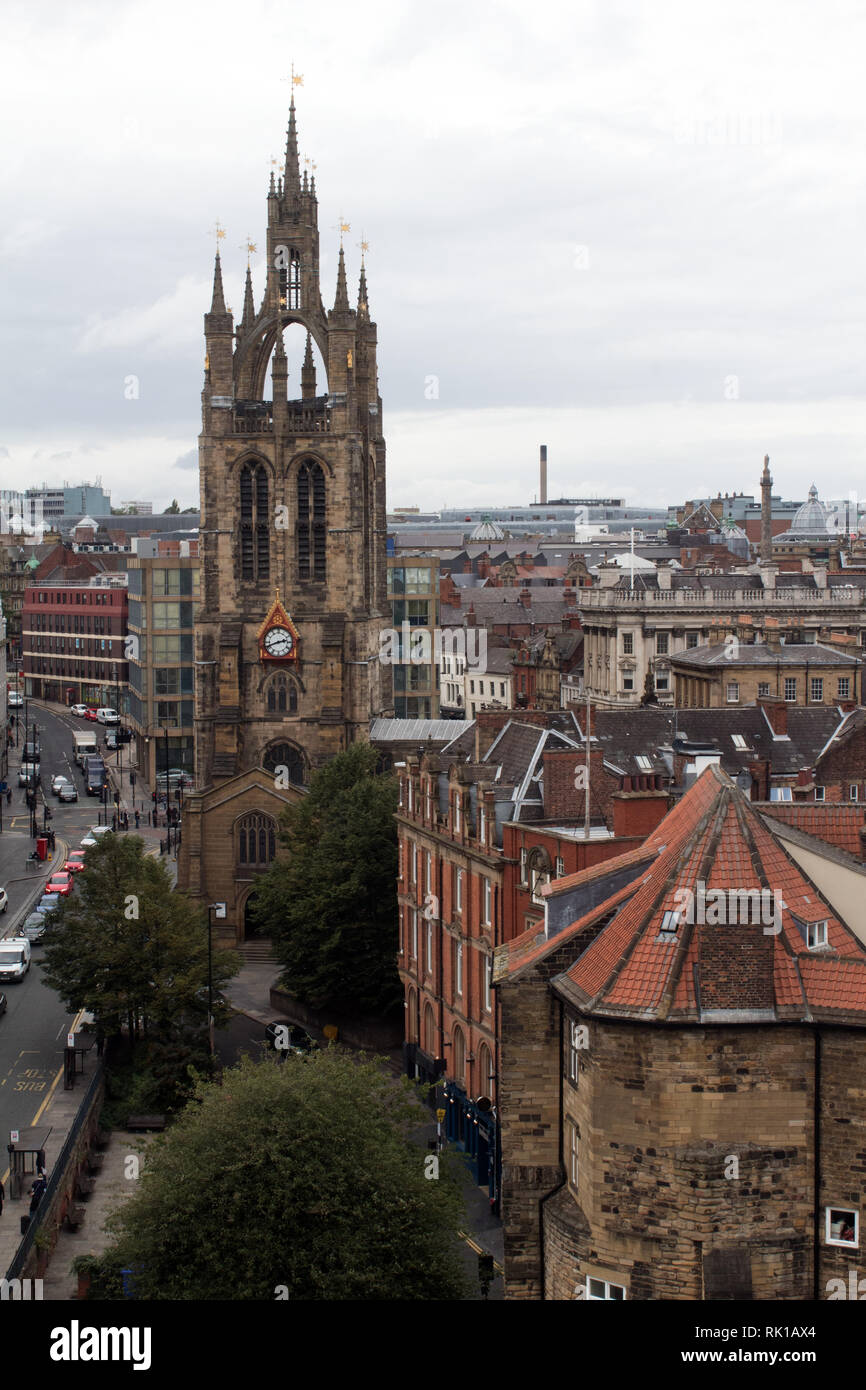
[(8, 796), (2, 1197), (40, 1162), (114, 820), (137, 819), (36, 1194)]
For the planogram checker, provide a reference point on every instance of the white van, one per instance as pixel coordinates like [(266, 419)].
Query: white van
[(14, 957), (107, 716), (83, 747)]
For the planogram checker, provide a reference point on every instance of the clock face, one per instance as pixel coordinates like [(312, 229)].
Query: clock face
[(278, 641)]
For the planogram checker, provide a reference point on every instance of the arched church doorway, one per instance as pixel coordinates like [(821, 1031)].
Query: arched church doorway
[(251, 931)]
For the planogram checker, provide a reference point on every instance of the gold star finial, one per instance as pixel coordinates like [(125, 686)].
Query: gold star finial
[(250, 248), (364, 245), (220, 233), (342, 226)]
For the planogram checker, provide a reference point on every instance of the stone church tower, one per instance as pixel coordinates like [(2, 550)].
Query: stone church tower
[(293, 586)]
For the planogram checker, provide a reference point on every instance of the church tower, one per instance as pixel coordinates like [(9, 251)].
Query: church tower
[(293, 571)]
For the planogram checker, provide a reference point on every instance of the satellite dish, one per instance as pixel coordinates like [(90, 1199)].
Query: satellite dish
[(484, 1103)]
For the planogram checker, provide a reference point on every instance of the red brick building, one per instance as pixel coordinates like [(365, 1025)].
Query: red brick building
[(73, 632), (482, 826)]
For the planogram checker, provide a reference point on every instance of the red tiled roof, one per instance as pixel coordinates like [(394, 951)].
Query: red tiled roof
[(737, 963), (836, 824)]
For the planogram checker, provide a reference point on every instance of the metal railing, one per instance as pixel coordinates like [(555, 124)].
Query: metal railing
[(58, 1173)]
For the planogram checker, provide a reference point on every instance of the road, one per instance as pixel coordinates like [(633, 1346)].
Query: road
[(33, 1030)]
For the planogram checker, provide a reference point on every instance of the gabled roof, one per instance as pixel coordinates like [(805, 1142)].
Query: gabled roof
[(645, 965)]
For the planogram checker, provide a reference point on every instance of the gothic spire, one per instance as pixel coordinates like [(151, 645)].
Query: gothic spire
[(308, 373), (249, 306), (363, 308), (292, 179), (341, 302), (218, 303)]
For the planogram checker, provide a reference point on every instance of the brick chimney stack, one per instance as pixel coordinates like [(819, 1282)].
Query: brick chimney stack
[(542, 474), (777, 714)]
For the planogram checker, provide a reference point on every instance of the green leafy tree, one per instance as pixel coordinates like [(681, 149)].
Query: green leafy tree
[(173, 509), (293, 1179), (330, 904), (129, 949)]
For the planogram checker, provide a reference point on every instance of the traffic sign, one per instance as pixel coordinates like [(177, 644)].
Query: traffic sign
[(440, 1115)]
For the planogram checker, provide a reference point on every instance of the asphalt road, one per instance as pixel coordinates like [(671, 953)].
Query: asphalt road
[(34, 1027)]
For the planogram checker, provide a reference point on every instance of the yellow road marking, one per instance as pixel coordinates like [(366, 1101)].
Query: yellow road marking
[(473, 1245)]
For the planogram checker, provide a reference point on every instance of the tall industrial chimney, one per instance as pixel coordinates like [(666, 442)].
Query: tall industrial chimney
[(542, 481)]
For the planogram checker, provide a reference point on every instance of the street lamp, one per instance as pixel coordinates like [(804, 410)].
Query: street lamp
[(219, 911)]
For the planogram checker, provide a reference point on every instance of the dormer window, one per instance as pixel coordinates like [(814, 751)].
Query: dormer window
[(644, 763), (816, 935)]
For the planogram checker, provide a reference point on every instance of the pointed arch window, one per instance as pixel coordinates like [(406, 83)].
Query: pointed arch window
[(284, 755), (282, 695), (311, 521), (256, 840), (255, 540), (290, 282)]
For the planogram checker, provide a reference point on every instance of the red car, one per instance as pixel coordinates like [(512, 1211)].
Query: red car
[(91, 715), (75, 862), (60, 883)]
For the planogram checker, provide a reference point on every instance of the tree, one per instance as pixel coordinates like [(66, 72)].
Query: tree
[(129, 949), (296, 1179), (189, 510), (173, 509), (331, 903)]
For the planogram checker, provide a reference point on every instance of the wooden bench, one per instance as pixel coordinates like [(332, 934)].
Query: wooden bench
[(142, 1122)]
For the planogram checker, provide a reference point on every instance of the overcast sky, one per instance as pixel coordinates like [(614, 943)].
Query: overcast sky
[(634, 232)]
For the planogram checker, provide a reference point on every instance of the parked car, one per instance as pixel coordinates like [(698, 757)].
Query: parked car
[(60, 883), (106, 715), (90, 714), (47, 903), (32, 751), (111, 741), (288, 1037), (14, 957), (4, 900), (80, 710), (34, 927), (28, 774), (14, 700), (68, 792)]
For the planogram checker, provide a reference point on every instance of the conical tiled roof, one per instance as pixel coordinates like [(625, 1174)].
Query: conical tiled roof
[(660, 955)]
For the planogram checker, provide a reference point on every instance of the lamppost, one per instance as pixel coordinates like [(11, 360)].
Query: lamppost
[(167, 808), (219, 911)]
